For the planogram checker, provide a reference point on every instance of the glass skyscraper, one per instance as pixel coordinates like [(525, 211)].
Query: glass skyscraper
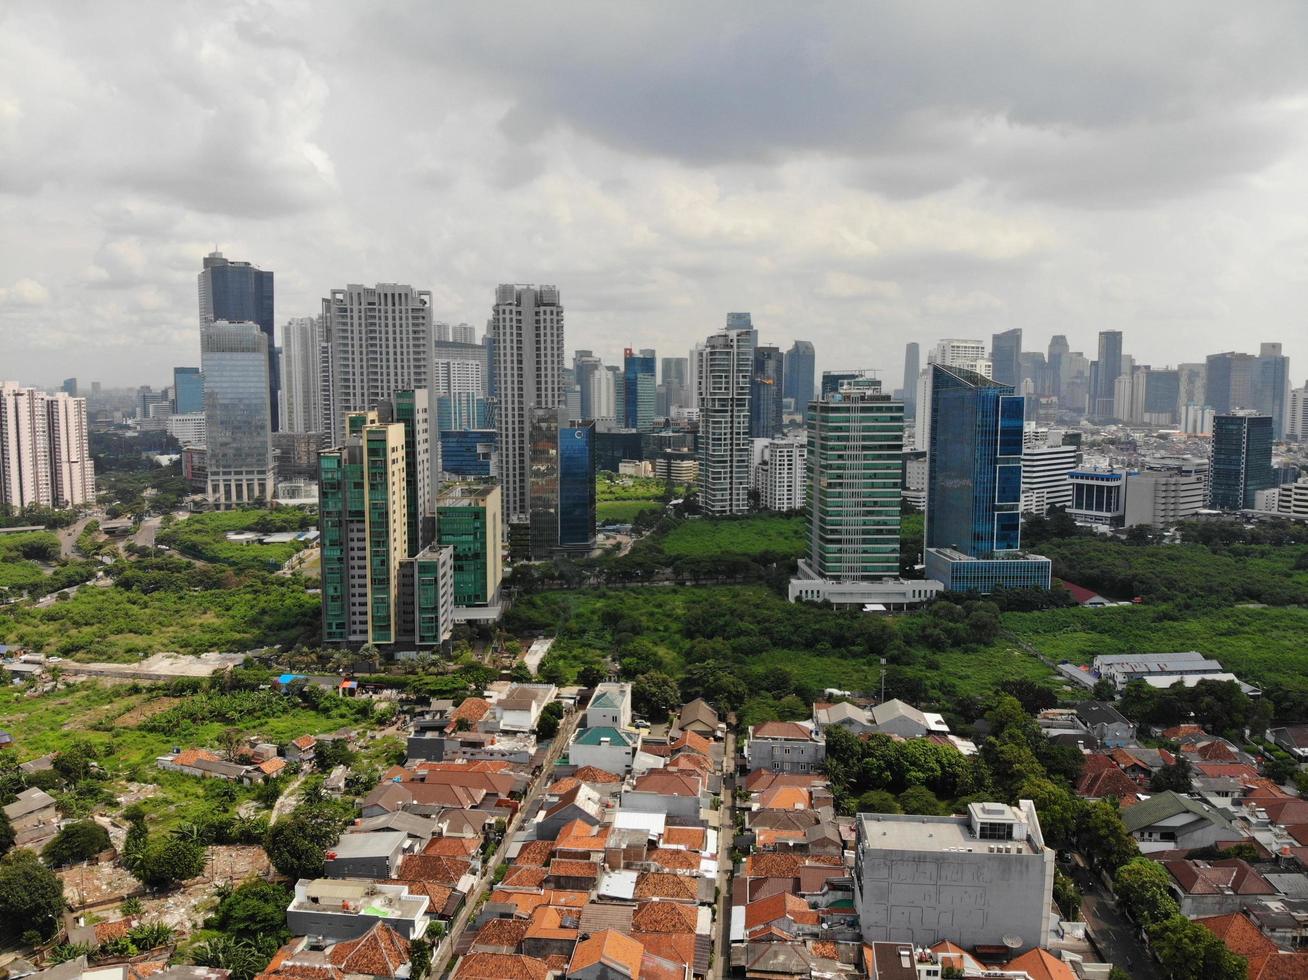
[(639, 388), (974, 484), (237, 412), (577, 486), (241, 292), (468, 452), (1241, 463), (765, 393), (797, 379), (188, 390)]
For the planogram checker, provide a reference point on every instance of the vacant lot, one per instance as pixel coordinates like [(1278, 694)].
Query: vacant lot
[(756, 535)]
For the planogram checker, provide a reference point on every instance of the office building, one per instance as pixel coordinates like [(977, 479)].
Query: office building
[(527, 329), (376, 587), (381, 342), (1006, 358), (639, 389), (1272, 386), (295, 457), (469, 453), (585, 369), (799, 370), (726, 366), (1098, 497), (779, 478), (1047, 458), (45, 455), (832, 381), (239, 292), (1163, 493), (1197, 420), (562, 487), (1289, 501), (147, 398), (765, 393), (1296, 426), (912, 368), (302, 382), (1191, 385), (186, 427), (460, 387), (422, 462), (459, 333), (237, 414), (1230, 381), (966, 355), (69, 387), (981, 880), (974, 486), (1073, 381), (1160, 397), (1058, 348), (188, 391), (1105, 372), (1241, 459), (468, 521)]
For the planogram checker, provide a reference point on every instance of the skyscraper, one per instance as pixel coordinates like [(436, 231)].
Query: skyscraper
[(725, 370), (381, 343), (1191, 384), (237, 414), (974, 486), (69, 387), (965, 354), (1241, 460), (562, 498), (1230, 381), (1109, 367), (468, 521), (188, 391), (1058, 346), (1297, 425), (912, 366), (1006, 356), (239, 292), (639, 384), (45, 456), (800, 370), (459, 376), (765, 393), (527, 330), (302, 387), (1272, 386)]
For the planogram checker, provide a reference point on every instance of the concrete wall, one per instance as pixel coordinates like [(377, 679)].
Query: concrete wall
[(764, 753)]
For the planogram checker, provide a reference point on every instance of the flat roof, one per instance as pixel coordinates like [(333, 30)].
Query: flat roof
[(368, 844), (903, 832)]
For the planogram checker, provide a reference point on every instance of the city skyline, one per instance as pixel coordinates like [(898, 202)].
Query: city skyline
[(881, 209)]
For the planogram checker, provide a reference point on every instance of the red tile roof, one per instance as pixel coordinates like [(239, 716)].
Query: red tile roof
[(523, 876), (380, 952), (611, 948), (189, 757), (560, 868), (694, 838), (776, 907), (657, 884), (666, 783), (674, 859), (455, 847), (694, 742), (664, 917), (432, 867), (779, 865), (782, 729), (1042, 965), (304, 742), (679, 947), (471, 710), (1239, 934), (501, 933), (500, 966), (534, 854), (594, 774)]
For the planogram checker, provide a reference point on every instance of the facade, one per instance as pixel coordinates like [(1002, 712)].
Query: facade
[(1006, 356), (562, 499), (765, 393), (45, 455), (237, 413), (1162, 494), (468, 520), (725, 371), (974, 485), (1098, 497), (968, 355), (1230, 381), (1241, 461), (912, 367), (639, 388), (1045, 467), (302, 387), (1104, 373), (527, 329), (239, 292), (470, 452), (799, 371), (1296, 426), (780, 479), (1272, 386), (786, 746), (984, 879), (380, 343), (188, 390), (459, 385), (188, 428)]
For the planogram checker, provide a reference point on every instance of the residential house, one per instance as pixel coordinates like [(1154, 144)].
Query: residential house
[(500, 966), (342, 909), (579, 803), (375, 855), (1292, 738), (1215, 887), (1107, 724), (34, 817), (897, 717), (848, 716), (1169, 821), (679, 795), (604, 747), (610, 706), (300, 751), (785, 746), (520, 707), (699, 717), (1265, 961)]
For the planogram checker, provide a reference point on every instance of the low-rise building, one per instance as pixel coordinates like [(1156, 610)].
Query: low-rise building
[(34, 817), (610, 706), (785, 746), (341, 909), (375, 855), (1169, 821), (1106, 723)]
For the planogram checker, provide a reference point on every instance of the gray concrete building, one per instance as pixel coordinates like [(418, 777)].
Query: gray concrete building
[(786, 746)]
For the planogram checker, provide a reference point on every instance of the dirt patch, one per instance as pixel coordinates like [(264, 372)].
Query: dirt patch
[(143, 712)]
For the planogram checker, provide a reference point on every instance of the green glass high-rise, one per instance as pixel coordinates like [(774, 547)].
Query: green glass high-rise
[(468, 520), (855, 444)]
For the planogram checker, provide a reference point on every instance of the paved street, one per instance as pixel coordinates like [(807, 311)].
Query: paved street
[(726, 837), (1113, 932)]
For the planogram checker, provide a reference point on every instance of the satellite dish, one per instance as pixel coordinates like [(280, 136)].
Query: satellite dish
[(1013, 942)]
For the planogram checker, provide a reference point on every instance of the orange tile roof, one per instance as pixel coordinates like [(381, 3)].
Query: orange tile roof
[(523, 876), (610, 948), (688, 760), (775, 864), (432, 867), (502, 933), (534, 854), (674, 858), (549, 922), (825, 948), (785, 798), (678, 947), (782, 905), (304, 742), (466, 765), (271, 767), (455, 847), (1278, 965), (1239, 934), (500, 966), (657, 884), (664, 917), (471, 710), (1042, 965), (782, 729), (594, 774), (189, 757), (525, 902), (694, 742), (564, 785), (436, 893), (771, 836), (694, 838), (380, 952), (560, 868), (669, 783)]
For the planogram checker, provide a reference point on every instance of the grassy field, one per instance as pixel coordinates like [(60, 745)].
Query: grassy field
[(117, 624), (204, 536), (1264, 646), (754, 535), (109, 719), (623, 511), (611, 487)]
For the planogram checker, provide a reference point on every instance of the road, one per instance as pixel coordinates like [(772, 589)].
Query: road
[(144, 536), (442, 955), (1113, 933), (726, 837), (68, 535)]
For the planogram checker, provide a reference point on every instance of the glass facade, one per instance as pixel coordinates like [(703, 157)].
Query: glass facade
[(577, 486), (464, 528), (411, 410), (961, 573), (765, 393), (974, 468), (543, 483), (461, 410), (332, 482), (469, 452), (1241, 462), (188, 390), (237, 413), (797, 376), (240, 291), (638, 389)]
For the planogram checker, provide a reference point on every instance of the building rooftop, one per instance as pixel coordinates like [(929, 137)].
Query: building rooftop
[(905, 832), (365, 845)]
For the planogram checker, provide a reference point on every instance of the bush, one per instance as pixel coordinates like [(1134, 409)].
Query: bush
[(78, 841)]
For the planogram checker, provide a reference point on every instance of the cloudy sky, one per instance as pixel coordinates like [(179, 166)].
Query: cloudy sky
[(859, 175)]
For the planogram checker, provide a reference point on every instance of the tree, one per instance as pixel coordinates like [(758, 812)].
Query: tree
[(243, 957), (419, 958), (1188, 951), (78, 841), (1176, 777), (6, 835), (878, 801), (255, 910), (1104, 690), (297, 845), (1144, 889), (31, 897), (1057, 808), (1102, 837), (655, 694), (547, 726), (1067, 896), (591, 675), (167, 861), (919, 799), (332, 753)]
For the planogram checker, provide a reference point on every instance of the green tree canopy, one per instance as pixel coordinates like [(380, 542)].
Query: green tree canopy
[(78, 841), (31, 897)]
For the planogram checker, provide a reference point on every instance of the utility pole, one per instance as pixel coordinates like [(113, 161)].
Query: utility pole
[(883, 680)]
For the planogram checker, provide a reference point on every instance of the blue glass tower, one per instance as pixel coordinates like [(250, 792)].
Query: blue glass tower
[(1241, 462), (639, 389), (974, 485), (188, 390), (240, 292), (469, 452), (577, 486)]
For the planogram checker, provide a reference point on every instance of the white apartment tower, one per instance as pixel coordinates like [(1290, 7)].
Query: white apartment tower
[(1046, 462), (725, 367), (302, 387), (381, 343), (45, 455), (1296, 427), (781, 477), (527, 327)]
